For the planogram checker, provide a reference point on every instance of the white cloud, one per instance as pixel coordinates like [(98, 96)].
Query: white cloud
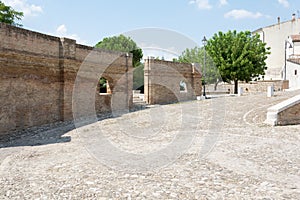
[(285, 3), (223, 2), (242, 14), (62, 31), (202, 4), (28, 9)]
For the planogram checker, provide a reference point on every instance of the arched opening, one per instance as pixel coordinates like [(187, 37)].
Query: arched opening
[(104, 87), (182, 86), (138, 78)]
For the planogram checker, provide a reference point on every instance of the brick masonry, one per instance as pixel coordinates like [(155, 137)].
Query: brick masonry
[(38, 73), (162, 81)]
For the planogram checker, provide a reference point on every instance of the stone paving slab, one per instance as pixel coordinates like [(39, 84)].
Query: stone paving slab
[(213, 149)]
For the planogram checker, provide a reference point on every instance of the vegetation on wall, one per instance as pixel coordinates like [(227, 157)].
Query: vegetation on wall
[(9, 16)]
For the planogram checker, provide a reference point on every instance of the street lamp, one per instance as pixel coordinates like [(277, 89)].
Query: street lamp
[(204, 42), (285, 47)]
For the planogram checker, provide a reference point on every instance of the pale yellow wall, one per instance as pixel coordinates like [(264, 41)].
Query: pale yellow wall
[(275, 36), (294, 80)]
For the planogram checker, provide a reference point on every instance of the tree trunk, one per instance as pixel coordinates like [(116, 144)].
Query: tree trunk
[(216, 85), (235, 86)]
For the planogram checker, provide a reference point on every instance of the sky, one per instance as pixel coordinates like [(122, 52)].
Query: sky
[(169, 25)]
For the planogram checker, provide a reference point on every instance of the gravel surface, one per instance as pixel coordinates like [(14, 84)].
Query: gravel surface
[(216, 148)]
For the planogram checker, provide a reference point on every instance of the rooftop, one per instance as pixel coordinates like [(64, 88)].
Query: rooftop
[(295, 38)]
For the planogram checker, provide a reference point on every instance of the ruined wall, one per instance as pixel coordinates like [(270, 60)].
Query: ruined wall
[(162, 82), (38, 73)]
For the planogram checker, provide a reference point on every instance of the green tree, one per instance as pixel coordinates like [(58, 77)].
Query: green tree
[(239, 56), (138, 78), (103, 85), (196, 55), (9, 15), (122, 43)]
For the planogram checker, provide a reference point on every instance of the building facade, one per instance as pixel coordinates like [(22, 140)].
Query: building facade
[(293, 63), (277, 37)]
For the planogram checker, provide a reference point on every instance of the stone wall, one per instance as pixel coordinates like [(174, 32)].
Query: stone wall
[(38, 75), (162, 81), (253, 87), (261, 86), (285, 113)]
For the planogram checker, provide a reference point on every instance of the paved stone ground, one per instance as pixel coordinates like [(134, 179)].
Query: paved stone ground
[(213, 149)]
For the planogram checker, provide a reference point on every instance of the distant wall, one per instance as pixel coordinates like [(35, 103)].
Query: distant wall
[(259, 86), (38, 72), (163, 78)]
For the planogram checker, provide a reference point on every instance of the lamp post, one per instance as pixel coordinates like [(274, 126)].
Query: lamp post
[(204, 42), (285, 47)]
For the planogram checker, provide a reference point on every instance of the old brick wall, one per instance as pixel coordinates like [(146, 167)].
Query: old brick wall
[(38, 73), (162, 81)]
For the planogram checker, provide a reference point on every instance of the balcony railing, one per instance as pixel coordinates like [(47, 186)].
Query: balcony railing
[(294, 58)]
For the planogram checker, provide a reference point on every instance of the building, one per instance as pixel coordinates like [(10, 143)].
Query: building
[(277, 37), (292, 65)]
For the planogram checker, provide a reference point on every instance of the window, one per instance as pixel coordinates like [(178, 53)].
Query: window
[(182, 86), (295, 72), (104, 86)]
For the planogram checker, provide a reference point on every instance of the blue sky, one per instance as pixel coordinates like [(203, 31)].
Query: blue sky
[(90, 21)]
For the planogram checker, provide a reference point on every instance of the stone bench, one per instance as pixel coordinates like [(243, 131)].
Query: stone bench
[(285, 113)]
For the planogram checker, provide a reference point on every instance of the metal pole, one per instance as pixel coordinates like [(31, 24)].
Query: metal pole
[(204, 66), (127, 88), (285, 60)]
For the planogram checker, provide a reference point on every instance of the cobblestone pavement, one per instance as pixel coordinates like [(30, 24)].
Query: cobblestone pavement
[(232, 155)]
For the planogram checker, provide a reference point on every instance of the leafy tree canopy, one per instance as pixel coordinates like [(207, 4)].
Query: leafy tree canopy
[(122, 43), (9, 15), (239, 56), (138, 78)]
